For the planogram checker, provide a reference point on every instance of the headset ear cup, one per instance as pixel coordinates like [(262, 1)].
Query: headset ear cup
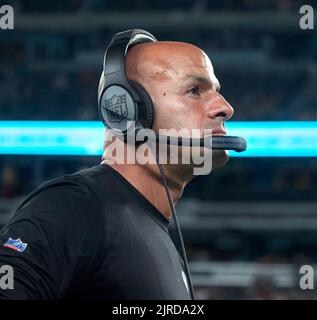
[(118, 108), (145, 108)]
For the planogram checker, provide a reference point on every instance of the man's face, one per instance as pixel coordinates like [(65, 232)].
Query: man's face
[(184, 89)]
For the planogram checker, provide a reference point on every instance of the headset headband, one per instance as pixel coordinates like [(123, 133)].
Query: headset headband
[(114, 59), (123, 100)]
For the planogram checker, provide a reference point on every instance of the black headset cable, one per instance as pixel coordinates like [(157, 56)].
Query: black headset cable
[(178, 230)]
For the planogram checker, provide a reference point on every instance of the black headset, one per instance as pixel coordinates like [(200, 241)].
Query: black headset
[(123, 100)]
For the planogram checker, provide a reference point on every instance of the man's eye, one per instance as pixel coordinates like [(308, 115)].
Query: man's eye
[(195, 91)]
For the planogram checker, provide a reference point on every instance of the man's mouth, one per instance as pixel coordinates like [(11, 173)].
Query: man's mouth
[(215, 132), (219, 132)]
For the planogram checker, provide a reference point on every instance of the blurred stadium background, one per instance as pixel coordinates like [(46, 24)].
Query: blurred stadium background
[(247, 227)]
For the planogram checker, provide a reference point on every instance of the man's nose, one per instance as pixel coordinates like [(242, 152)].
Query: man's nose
[(219, 107)]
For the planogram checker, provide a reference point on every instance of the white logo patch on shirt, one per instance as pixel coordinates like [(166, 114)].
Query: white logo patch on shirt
[(15, 244)]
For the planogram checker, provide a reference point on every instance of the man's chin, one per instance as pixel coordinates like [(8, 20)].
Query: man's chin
[(219, 158)]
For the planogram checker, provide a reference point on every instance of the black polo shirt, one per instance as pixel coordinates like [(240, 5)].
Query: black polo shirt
[(90, 235)]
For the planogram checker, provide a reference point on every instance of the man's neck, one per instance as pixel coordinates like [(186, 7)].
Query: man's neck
[(148, 181)]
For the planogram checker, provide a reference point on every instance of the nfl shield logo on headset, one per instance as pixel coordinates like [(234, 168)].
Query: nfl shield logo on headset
[(116, 107)]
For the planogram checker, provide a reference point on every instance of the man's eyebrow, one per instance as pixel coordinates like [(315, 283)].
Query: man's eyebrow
[(203, 80)]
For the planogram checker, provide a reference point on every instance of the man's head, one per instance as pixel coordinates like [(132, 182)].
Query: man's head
[(180, 79)]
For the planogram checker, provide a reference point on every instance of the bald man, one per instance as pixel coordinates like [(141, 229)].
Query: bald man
[(103, 232)]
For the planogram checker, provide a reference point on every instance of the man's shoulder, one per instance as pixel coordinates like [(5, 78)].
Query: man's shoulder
[(82, 185), (85, 178), (92, 174)]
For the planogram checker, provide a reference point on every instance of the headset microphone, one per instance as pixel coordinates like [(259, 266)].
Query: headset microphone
[(234, 143), (237, 144)]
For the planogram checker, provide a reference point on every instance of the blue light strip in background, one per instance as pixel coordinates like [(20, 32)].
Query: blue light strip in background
[(80, 138), (85, 138), (277, 139)]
